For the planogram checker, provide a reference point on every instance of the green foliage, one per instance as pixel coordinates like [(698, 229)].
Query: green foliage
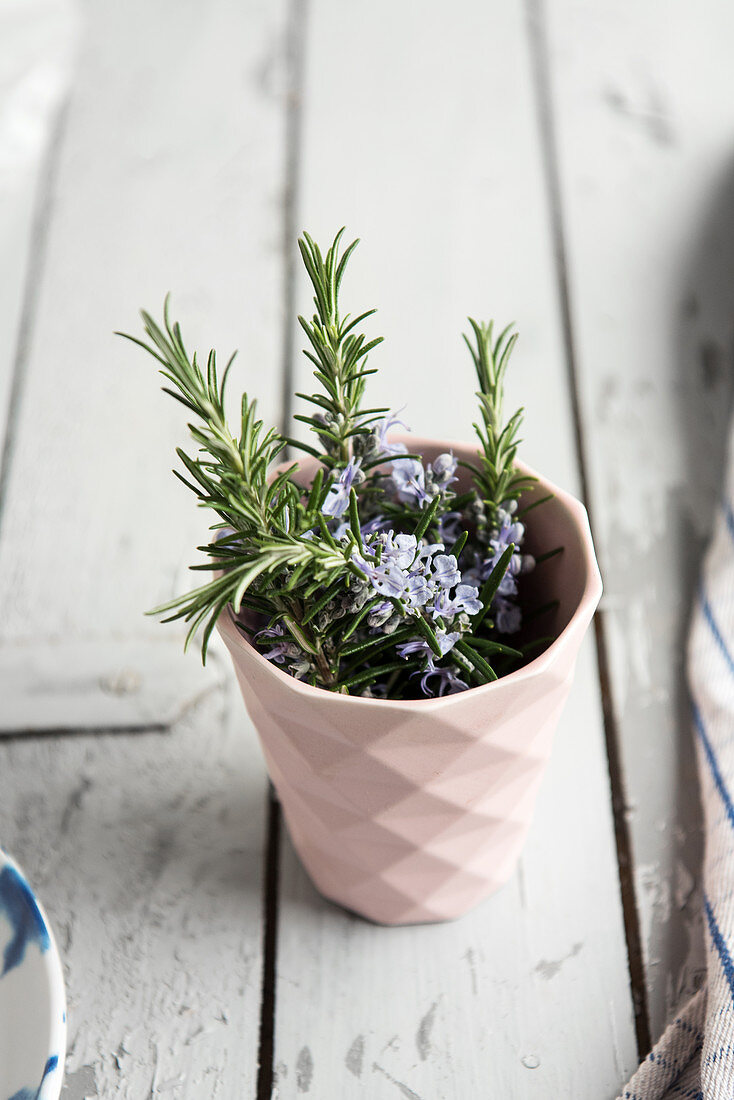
[(496, 478), (260, 520), (338, 352), (300, 565)]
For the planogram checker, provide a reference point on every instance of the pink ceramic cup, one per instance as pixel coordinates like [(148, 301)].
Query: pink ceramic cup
[(416, 810)]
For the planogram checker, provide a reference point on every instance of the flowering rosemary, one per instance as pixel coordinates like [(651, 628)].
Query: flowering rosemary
[(378, 575)]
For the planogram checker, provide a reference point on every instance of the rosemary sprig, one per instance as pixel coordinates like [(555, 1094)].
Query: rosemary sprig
[(339, 354), (230, 476), (496, 478), (345, 604)]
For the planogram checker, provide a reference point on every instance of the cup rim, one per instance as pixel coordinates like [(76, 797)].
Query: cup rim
[(582, 614)]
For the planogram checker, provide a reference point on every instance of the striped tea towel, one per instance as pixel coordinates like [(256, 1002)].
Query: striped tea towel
[(694, 1060)]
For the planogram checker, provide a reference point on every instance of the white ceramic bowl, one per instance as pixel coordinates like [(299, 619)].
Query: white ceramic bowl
[(32, 1001)]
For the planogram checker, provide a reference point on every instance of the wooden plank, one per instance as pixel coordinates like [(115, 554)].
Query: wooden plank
[(38, 40), (170, 176), (527, 996), (146, 851), (87, 685), (438, 168), (646, 182)]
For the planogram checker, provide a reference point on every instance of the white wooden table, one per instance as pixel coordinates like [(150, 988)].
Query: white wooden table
[(562, 164)]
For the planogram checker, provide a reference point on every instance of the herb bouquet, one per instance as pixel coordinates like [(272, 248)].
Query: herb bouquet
[(362, 590)]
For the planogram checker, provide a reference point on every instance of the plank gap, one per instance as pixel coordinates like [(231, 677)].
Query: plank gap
[(36, 259), (295, 57), (75, 732), (540, 64), (266, 1043)]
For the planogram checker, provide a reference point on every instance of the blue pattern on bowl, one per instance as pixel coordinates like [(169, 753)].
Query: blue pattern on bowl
[(31, 994), (20, 907), (35, 1094)]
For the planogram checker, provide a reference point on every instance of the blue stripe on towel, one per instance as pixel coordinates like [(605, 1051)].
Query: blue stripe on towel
[(718, 636), (729, 516), (720, 944), (713, 764)]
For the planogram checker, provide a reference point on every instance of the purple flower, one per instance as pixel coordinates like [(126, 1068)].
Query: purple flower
[(417, 575), (337, 500), (465, 602), (382, 427), (399, 550), (468, 597), (417, 646), (507, 530), (380, 614), (448, 681), (444, 469), (507, 616), (449, 527), (385, 578), (280, 652), (410, 587), (392, 575), (373, 525), (390, 580), (409, 478), (508, 584), (426, 552), (417, 590), (446, 641), (445, 571), (420, 646)]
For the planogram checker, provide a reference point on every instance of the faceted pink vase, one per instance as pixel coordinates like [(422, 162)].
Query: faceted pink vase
[(416, 810)]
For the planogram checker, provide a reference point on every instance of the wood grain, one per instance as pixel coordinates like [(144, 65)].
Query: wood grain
[(417, 128), (170, 176), (529, 995), (36, 69), (647, 189), (76, 685), (146, 851), (525, 997)]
